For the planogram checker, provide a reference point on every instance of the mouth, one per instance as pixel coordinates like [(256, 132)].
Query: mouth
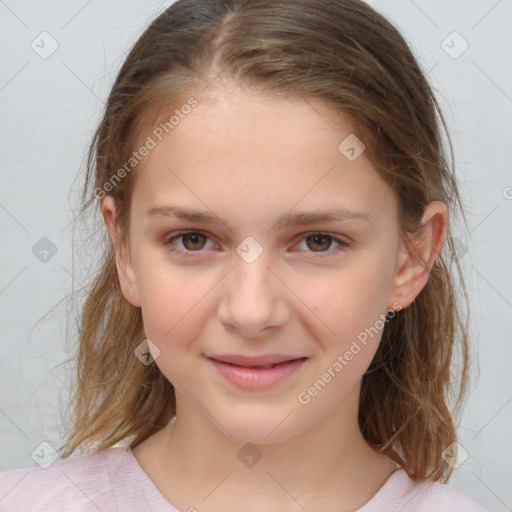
[(256, 372), (263, 361)]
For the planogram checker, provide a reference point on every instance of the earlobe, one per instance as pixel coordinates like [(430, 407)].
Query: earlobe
[(417, 257), (124, 266)]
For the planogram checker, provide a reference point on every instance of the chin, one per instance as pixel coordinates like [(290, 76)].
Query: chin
[(260, 428)]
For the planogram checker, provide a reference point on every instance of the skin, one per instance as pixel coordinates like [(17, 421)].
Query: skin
[(250, 159)]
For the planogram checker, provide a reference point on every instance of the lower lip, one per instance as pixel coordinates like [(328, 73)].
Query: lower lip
[(253, 378)]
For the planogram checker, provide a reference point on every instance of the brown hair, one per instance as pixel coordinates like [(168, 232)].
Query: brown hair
[(339, 51)]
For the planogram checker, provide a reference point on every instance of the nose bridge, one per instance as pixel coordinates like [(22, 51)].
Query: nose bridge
[(251, 262), (252, 279), (252, 298), (251, 284)]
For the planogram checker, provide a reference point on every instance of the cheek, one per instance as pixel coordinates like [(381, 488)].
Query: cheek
[(174, 302), (348, 305), (352, 297), (173, 314)]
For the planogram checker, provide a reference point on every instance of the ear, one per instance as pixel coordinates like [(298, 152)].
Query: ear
[(123, 264), (417, 258)]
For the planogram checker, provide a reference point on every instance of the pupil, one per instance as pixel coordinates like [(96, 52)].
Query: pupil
[(318, 238), (193, 237)]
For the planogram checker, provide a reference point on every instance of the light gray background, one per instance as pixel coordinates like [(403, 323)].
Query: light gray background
[(49, 109)]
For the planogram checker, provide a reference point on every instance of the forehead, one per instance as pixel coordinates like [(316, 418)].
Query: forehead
[(237, 151)]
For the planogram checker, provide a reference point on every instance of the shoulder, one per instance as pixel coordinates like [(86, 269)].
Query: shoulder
[(80, 483), (411, 496), (445, 498)]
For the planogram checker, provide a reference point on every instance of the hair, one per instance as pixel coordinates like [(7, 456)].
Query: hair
[(349, 56)]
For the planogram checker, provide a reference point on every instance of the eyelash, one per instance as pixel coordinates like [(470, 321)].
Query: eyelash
[(320, 254)]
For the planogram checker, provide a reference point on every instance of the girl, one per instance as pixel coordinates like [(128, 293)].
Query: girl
[(272, 324)]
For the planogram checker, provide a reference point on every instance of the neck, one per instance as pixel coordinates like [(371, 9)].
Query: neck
[(194, 463)]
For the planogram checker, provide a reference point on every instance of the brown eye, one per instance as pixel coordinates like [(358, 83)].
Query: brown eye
[(321, 244), (193, 241), (189, 243), (319, 241)]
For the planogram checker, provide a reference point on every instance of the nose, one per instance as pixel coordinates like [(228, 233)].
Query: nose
[(253, 300)]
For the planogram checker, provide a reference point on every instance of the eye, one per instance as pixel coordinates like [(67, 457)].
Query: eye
[(323, 242), (193, 242)]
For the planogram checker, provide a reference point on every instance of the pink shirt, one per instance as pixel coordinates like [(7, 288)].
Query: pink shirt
[(112, 480)]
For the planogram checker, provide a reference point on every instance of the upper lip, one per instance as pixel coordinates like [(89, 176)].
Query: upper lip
[(240, 360)]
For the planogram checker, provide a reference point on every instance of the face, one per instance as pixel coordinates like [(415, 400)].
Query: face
[(248, 279)]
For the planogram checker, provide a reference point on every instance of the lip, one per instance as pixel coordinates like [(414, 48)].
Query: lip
[(242, 371), (240, 360)]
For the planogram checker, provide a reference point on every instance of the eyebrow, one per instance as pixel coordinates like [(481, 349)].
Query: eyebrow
[(287, 220)]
